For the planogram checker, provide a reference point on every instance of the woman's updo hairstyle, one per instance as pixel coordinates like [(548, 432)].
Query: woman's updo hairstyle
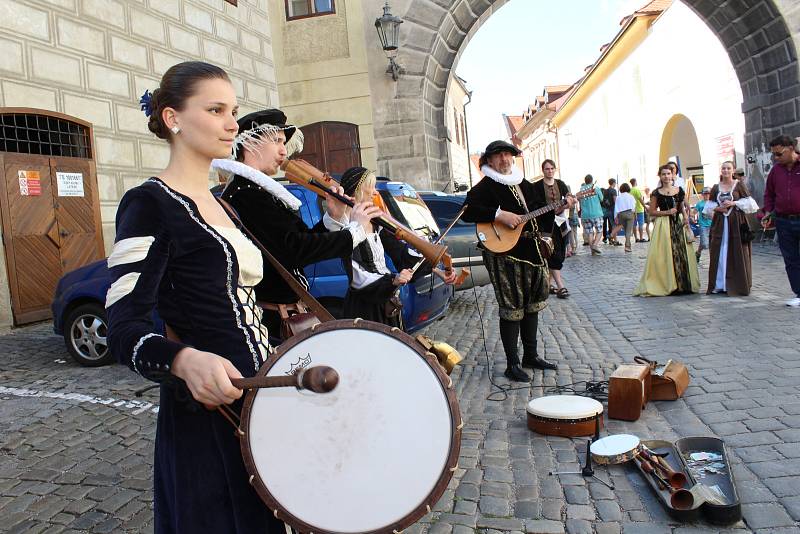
[(177, 85)]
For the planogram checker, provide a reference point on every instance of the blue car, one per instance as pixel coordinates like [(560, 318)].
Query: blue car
[(79, 303)]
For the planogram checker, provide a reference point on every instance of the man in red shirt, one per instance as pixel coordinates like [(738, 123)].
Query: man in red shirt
[(782, 200)]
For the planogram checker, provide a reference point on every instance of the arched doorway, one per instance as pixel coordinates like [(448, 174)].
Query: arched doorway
[(757, 35), (49, 203), (679, 143)]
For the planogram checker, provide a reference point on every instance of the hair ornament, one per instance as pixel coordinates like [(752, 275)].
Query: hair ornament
[(146, 102)]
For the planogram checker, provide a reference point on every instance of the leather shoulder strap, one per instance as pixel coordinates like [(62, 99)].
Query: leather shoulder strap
[(308, 299)]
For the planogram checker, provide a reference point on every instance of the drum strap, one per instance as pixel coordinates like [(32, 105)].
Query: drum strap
[(313, 304)]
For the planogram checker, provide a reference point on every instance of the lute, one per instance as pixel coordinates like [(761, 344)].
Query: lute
[(499, 238)]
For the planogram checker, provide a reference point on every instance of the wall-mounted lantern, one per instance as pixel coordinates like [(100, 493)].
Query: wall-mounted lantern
[(388, 28)]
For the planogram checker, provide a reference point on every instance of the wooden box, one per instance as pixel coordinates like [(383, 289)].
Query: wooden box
[(628, 390)]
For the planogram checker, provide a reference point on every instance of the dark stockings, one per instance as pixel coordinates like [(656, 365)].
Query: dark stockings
[(510, 332)]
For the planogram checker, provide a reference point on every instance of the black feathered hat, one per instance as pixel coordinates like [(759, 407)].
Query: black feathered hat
[(496, 147), (260, 123)]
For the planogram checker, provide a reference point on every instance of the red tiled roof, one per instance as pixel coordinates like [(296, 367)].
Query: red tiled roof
[(653, 7), (474, 158), (557, 88), (515, 122)]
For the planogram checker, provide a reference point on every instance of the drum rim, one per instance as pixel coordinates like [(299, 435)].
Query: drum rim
[(620, 457), (455, 426)]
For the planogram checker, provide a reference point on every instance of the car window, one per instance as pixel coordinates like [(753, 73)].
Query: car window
[(412, 211), (444, 211)]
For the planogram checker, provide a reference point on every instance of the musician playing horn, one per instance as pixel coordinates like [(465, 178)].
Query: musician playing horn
[(270, 211), (520, 275), (372, 285)]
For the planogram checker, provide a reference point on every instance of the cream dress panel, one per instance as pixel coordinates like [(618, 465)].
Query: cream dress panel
[(251, 271)]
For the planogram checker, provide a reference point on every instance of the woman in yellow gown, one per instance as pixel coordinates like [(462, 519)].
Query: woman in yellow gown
[(671, 267)]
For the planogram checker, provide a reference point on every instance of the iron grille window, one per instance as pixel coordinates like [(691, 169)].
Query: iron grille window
[(300, 9), (27, 133)]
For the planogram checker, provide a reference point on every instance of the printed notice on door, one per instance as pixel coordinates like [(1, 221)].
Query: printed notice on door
[(29, 183), (70, 184)]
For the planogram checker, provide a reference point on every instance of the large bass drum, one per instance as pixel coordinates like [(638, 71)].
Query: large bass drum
[(374, 454)]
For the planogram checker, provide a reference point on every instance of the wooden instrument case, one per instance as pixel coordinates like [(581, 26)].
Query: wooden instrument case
[(628, 391)]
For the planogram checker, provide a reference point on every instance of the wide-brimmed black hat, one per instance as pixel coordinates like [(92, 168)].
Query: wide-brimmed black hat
[(274, 117), (496, 147)]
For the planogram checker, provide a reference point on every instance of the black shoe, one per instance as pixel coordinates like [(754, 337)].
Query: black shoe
[(541, 363), (516, 374)]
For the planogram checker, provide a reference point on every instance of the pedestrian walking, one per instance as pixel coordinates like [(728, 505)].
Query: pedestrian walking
[(730, 253), (592, 215), (704, 222), (638, 222), (624, 214), (519, 276), (671, 268), (782, 202), (646, 202), (554, 223), (574, 224), (607, 202)]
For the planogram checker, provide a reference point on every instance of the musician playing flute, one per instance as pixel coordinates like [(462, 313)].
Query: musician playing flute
[(270, 211), (373, 286), (519, 276)]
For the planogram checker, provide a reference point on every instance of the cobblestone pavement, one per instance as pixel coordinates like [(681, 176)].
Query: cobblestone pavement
[(76, 444)]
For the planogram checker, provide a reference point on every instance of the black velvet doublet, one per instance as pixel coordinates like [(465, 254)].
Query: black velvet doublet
[(188, 272), (285, 235), (488, 195), (369, 302)]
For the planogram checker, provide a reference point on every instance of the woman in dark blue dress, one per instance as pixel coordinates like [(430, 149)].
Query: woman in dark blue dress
[(177, 252)]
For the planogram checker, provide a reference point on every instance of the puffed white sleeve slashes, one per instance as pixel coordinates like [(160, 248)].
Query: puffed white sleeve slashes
[(137, 264)]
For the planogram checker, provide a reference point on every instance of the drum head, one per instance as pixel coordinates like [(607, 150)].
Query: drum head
[(369, 456), (614, 445), (564, 407)]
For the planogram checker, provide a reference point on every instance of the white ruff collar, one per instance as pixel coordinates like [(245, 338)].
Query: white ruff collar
[(515, 178), (260, 179)]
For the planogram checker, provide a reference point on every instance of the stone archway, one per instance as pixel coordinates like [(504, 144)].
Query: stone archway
[(680, 139), (758, 35)]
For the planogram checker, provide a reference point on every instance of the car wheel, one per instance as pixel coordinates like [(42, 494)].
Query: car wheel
[(85, 331)]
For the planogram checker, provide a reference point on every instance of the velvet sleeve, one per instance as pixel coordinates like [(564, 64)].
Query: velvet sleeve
[(481, 204), (285, 235), (137, 264)]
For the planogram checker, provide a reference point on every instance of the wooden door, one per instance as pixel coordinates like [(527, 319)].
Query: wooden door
[(331, 146), (51, 225), (30, 235), (75, 198)]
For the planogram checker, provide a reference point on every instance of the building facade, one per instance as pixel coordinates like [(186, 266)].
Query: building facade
[(458, 146), (84, 64), (324, 86), (654, 98)]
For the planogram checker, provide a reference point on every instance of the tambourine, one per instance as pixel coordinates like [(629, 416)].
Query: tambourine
[(616, 449)]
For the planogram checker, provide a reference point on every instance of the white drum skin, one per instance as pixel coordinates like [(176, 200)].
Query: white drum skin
[(616, 449), (565, 415), (365, 456)]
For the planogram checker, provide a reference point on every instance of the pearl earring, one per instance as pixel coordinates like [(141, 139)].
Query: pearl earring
[(175, 130)]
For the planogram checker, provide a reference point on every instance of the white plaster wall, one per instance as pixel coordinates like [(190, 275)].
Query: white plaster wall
[(681, 68)]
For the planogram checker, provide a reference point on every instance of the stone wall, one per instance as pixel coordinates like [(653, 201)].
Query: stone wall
[(92, 59)]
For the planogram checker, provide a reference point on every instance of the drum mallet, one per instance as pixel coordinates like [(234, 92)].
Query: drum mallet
[(319, 379)]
